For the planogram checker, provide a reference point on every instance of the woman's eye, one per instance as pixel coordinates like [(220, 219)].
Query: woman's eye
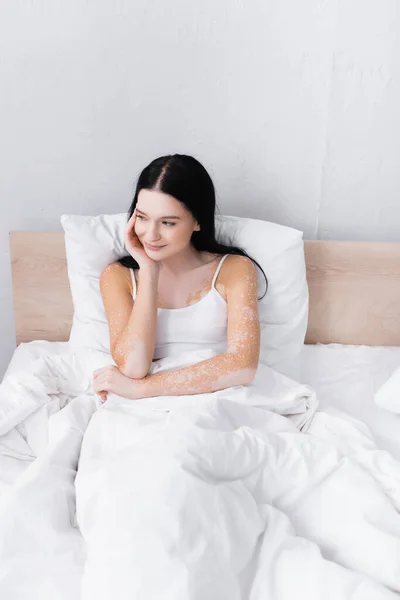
[(141, 217), (168, 223)]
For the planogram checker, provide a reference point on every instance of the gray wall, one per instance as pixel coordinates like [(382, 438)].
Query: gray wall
[(293, 107)]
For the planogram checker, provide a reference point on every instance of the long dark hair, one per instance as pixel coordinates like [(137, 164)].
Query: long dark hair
[(185, 178)]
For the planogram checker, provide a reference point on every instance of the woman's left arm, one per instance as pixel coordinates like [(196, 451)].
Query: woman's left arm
[(236, 366)]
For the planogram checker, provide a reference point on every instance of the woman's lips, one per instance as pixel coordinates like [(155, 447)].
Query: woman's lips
[(150, 247)]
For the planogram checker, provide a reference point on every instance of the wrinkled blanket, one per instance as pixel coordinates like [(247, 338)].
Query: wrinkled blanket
[(246, 493)]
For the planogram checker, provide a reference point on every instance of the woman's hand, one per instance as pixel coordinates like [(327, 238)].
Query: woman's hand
[(134, 245), (111, 380)]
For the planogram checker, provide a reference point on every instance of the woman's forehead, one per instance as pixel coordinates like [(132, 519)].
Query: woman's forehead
[(157, 204)]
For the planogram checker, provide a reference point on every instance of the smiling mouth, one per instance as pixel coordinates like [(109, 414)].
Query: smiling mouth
[(154, 247)]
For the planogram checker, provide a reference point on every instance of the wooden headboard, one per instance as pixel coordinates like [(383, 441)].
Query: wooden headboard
[(42, 298), (354, 290)]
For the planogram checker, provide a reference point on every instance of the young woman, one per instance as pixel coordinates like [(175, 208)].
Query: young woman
[(179, 289), (205, 498)]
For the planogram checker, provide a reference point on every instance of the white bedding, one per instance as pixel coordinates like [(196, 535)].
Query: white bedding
[(344, 377), (26, 353), (194, 498), (347, 377), (15, 453)]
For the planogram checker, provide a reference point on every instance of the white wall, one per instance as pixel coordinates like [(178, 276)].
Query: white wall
[(291, 105)]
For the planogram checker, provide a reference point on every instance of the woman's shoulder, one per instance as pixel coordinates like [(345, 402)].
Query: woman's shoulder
[(116, 274), (235, 270), (236, 265), (231, 262)]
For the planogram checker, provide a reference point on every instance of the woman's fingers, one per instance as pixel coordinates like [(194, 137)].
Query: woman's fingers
[(99, 389), (99, 386), (132, 242), (98, 372), (99, 382), (131, 223)]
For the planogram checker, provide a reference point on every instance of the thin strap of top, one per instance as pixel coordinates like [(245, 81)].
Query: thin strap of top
[(212, 284), (133, 282), (218, 270)]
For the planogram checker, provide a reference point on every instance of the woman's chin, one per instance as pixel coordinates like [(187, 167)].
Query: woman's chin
[(155, 254)]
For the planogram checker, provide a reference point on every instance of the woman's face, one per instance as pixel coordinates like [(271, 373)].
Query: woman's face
[(163, 225)]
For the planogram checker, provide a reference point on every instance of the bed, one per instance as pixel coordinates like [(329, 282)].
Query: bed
[(353, 338), (352, 347)]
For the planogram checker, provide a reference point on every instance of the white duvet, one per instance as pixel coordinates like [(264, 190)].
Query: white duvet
[(388, 395), (240, 494)]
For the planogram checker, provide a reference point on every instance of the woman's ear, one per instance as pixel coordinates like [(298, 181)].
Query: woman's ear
[(197, 227)]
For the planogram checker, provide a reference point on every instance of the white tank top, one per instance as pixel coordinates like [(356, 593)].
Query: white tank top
[(201, 325)]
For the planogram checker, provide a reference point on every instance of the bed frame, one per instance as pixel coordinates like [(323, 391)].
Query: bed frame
[(354, 290)]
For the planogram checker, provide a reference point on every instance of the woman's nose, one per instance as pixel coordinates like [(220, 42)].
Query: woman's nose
[(153, 233)]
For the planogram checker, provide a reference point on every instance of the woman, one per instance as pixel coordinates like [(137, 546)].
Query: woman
[(207, 500), (179, 289)]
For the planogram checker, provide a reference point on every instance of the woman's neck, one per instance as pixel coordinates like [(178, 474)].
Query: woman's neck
[(186, 260)]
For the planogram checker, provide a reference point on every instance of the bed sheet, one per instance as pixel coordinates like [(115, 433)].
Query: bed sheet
[(346, 379), (26, 353), (15, 454)]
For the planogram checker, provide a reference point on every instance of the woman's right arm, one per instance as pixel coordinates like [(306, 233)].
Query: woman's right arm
[(132, 325)]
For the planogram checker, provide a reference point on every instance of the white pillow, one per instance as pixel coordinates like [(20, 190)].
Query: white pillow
[(94, 242)]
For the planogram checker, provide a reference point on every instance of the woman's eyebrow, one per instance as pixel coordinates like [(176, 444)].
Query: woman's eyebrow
[(166, 217)]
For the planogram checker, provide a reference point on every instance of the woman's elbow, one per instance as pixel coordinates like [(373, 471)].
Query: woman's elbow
[(241, 375), (133, 370), (248, 374)]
